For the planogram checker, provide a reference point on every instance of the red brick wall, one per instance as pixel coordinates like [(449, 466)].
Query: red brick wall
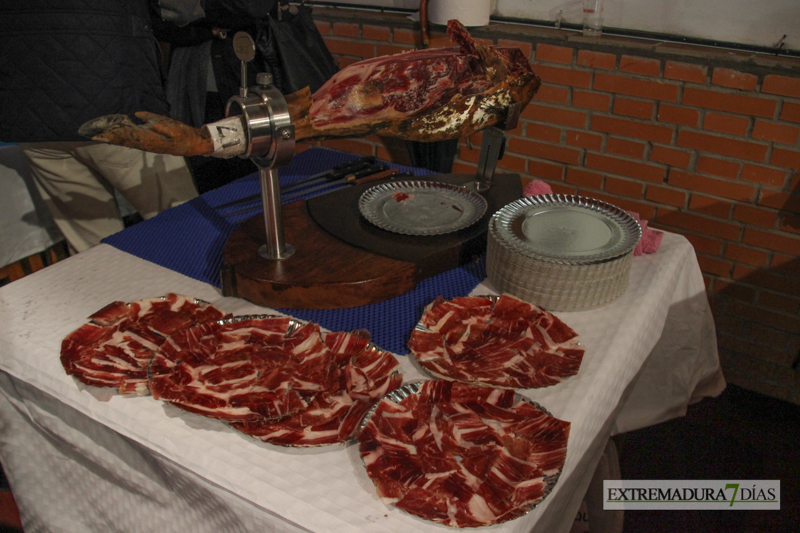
[(701, 142)]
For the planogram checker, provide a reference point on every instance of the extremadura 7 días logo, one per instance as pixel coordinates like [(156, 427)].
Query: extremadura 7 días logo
[(718, 494)]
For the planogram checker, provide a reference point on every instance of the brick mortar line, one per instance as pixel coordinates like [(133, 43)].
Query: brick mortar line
[(747, 62), (688, 58)]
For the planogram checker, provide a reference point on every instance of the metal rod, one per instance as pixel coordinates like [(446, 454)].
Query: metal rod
[(490, 152), (243, 87), (276, 247)]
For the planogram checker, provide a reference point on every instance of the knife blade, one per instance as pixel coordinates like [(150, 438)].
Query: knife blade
[(333, 175), (337, 172), (361, 176), (393, 173)]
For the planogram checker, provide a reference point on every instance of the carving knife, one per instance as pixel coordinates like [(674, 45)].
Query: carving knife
[(350, 179), (337, 172), (366, 175)]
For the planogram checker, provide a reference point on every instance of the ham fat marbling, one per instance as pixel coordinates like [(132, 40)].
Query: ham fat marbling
[(507, 343), (114, 348), (423, 95), (290, 386)]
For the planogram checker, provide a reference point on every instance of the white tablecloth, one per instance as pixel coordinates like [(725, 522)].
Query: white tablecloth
[(26, 227), (83, 459)]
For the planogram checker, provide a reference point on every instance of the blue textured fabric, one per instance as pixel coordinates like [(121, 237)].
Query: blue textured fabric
[(190, 239), (390, 322)]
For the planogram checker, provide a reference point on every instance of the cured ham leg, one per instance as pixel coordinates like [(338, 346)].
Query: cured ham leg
[(423, 95), (157, 134)]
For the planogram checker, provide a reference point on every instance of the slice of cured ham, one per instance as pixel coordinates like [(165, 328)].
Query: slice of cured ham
[(509, 343), (269, 378), (462, 455), (422, 95), (114, 348)]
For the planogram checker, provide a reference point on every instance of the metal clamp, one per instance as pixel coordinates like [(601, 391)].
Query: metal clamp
[(269, 129)]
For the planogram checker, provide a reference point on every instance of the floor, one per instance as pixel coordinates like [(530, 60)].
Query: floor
[(739, 435)]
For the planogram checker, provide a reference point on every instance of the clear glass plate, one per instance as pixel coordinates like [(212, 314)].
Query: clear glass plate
[(421, 207)]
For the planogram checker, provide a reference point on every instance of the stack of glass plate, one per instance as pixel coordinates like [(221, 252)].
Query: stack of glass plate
[(561, 252)]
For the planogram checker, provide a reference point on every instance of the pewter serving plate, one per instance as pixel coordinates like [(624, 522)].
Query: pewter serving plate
[(412, 389), (293, 325), (197, 301), (567, 229), (475, 382), (421, 207)]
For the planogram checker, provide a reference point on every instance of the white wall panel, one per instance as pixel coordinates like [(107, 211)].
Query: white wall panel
[(751, 22)]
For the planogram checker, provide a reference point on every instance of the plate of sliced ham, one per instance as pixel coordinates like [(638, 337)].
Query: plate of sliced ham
[(274, 378), (117, 343), (498, 341), (462, 455)]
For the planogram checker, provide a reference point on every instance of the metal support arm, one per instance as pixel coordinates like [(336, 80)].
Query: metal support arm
[(270, 143), (492, 147)]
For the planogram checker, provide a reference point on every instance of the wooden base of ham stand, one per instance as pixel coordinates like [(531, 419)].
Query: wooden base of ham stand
[(328, 272), (323, 273)]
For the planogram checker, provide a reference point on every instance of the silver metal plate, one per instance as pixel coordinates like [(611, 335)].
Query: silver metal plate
[(566, 229), (421, 207), (413, 388), (197, 301), (432, 373), (293, 325)]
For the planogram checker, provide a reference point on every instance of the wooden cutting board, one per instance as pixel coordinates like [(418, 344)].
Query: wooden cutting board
[(341, 260)]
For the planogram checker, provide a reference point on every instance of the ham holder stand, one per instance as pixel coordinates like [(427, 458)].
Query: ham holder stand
[(337, 258)]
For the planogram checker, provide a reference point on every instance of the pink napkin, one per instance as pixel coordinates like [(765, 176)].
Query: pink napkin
[(651, 238), (536, 187)]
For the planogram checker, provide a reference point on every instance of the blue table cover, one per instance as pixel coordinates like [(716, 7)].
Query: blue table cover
[(190, 239)]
